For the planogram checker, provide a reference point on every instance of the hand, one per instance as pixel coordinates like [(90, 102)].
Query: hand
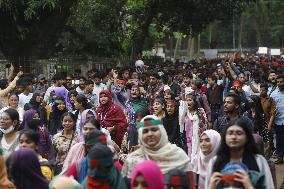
[(269, 126), (20, 73), (114, 74), (214, 180), (12, 68), (110, 129), (243, 178)]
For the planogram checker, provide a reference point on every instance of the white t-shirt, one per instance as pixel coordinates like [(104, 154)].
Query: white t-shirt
[(23, 99)]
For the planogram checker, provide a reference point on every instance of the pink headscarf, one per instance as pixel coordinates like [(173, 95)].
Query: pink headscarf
[(201, 163), (151, 173)]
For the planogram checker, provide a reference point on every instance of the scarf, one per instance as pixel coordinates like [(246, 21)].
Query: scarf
[(27, 174), (83, 121), (168, 156), (201, 163), (151, 173), (111, 115), (29, 115), (171, 124), (102, 173), (4, 182), (138, 103), (62, 92)]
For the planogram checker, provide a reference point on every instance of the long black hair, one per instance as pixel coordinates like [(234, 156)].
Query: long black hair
[(250, 148)]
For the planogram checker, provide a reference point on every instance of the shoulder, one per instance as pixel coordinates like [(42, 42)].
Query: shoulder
[(57, 136)]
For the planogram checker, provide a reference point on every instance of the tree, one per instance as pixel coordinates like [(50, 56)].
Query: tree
[(94, 28), (30, 28)]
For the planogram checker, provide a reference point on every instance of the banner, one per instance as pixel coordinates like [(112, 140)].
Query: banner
[(210, 53), (262, 50), (275, 52)]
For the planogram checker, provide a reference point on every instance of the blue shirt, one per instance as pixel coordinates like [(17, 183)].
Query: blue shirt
[(278, 96)]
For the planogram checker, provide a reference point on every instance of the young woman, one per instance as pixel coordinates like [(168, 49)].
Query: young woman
[(72, 96), (159, 108), (209, 144), (86, 116), (30, 139), (58, 109), (36, 103), (9, 137), (32, 121), (155, 146), (13, 100), (147, 175), (65, 139), (81, 104), (171, 123), (238, 145), (111, 117), (27, 174), (193, 120)]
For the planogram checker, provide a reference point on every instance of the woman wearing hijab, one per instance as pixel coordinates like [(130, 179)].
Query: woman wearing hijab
[(27, 174), (85, 116), (36, 103), (79, 168), (171, 123), (147, 173), (4, 181), (111, 117), (154, 145), (32, 121), (58, 109), (209, 144), (102, 173), (62, 92)]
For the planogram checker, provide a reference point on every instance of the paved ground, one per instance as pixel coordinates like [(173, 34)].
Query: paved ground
[(280, 174)]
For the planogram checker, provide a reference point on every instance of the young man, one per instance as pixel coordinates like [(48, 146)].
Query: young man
[(68, 85), (215, 97), (232, 106), (88, 92), (81, 86), (57, 82), (26, 95), (278, 96)]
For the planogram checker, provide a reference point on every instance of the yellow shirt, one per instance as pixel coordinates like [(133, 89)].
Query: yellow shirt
[(45, 168)]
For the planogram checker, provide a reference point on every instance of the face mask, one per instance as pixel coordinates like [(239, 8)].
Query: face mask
[(8, 130), (34, 123)]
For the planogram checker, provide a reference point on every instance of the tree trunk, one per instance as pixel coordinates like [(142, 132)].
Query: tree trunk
[(241, 31)]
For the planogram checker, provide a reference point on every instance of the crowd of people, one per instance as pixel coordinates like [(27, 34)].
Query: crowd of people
[(210, 124)]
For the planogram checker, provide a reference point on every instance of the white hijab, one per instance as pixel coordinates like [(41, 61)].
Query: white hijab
[(168, 156), (201, 165)]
